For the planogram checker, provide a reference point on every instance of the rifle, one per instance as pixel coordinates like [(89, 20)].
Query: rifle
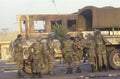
[(31, 66), (50, 49)]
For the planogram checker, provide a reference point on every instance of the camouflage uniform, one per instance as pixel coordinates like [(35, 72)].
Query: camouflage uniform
[(82, 47), (49, 55), (78, 53), (92, 58), (36, 57), (68, 54), (101, 51), (18, 51)]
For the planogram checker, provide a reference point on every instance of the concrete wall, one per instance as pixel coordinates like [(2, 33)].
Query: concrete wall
[(5, 54), (5, 38)]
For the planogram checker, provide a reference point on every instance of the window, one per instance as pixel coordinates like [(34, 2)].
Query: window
[(59, 22), (23, 24), (56, 21), (39, 25), (71, 25)]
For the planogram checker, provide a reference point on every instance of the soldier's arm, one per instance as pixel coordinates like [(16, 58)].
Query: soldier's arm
[(31, 51), (74, 46)]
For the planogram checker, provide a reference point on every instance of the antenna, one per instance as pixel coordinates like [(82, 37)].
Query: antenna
[(53, 1)]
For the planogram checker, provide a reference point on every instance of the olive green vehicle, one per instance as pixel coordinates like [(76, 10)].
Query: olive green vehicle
[(107, 19)]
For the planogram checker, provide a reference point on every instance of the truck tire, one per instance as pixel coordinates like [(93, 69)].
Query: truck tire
[(114, 59), (27, 67)]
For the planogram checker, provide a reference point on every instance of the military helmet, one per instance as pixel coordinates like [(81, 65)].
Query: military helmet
[(89, 36), (67, 36), (51, 35), (76, 38), (38, 38), (19, 35), (80, 35), (96, 31)]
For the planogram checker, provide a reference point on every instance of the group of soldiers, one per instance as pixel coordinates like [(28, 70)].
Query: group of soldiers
[(72, 50), (40, 53), (92, 48)]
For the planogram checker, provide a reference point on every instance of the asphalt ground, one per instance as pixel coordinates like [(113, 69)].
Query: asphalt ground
[(8, 71)]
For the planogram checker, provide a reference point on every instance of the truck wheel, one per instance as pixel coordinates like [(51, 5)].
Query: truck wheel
[(27, 67), (114, 59)]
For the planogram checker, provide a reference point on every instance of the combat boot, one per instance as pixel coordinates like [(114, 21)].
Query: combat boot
[(70, 70), (33, 75), (51, 73), (19, 75), (78, 70), (100, 69), (106, 68), (93, 68), (67, 71), (39, 75)]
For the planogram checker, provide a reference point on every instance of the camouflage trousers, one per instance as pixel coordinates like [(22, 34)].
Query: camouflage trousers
[(19, 62), (102, 60), (92, 61), (68, 59), (49, 58), (102, 56), (77, 58), (36, 64)]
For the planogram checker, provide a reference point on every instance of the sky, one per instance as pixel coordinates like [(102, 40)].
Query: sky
[(10, 8)]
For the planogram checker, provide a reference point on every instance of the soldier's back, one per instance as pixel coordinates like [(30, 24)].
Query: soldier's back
[(68, 45)]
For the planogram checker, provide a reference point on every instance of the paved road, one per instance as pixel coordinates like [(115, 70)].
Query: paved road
[(6, 72)]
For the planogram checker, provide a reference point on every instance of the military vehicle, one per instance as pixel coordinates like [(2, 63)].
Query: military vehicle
[(107, 19)]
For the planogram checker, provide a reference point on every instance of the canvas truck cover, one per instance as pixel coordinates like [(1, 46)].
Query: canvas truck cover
[(106, 17)]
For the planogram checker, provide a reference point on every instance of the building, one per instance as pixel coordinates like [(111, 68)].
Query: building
[(30, 25)]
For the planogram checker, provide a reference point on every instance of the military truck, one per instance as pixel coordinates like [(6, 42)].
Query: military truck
[(107, 19)]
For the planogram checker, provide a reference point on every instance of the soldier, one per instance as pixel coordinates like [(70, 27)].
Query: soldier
[(100, 50), (18, 51), (36, 57), (78, 53), (83, 47), (80, 36), (68, 54), (92, 58), (49, 53)]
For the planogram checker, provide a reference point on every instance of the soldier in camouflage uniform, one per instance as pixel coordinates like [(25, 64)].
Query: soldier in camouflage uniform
[(78, 53), (36, 57), (49, 54), (100, 50), (68, 54), (18, 51), (92, 58)]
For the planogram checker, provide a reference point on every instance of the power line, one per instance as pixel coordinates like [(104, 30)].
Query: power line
[(53, 1)]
